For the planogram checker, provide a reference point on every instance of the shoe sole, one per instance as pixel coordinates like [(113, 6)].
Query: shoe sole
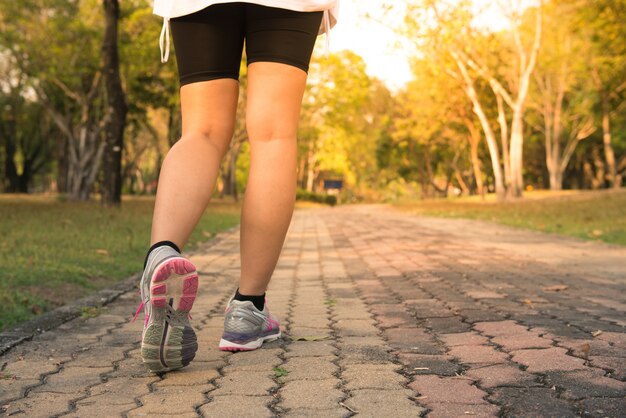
[(169, 344), (226, 345)]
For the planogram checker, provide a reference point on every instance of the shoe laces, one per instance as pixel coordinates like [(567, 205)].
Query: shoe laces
[(141, 305)]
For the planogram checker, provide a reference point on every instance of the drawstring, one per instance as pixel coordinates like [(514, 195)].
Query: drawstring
[(327, 25), (165, 33)]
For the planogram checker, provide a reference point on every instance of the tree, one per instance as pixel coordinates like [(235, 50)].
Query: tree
[(25, 131), (471, 51), (601, 25), (564, 95), (429, 134), (337, 121), (116, 107), (41, 37)]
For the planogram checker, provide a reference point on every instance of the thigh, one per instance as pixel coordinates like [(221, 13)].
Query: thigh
[(208, 109), (280, 35), (279, 44), (208, 47), (274, 97), (209, 43)]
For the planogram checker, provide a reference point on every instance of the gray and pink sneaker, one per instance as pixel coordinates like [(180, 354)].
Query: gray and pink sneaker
[(168, 290), (246, 327)]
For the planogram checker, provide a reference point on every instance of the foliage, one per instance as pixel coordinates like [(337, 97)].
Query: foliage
[(316, 197), (344, 111), (425, 139)]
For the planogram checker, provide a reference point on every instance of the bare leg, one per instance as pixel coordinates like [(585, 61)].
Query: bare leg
[(274, 97), (190, 170)]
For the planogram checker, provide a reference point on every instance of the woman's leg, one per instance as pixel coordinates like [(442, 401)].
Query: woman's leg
[(190, 170), (275, 93)]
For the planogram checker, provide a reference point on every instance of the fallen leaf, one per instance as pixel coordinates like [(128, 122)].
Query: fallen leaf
[(555, 288), (596, 333), (585, 349), (102, 251), (348, 408), (596, 232), (528, 302)]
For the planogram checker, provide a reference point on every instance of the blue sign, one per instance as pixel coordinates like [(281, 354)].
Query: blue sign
[(333, 184)]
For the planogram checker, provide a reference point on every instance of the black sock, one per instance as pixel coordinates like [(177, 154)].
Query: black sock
[(157, 245), (258, 301)]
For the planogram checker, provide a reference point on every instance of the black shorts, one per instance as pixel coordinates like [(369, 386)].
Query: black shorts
[(209, 42)]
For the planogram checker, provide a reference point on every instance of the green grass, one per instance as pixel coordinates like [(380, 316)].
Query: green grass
[(52, 252), (280, 372), (587, 215)]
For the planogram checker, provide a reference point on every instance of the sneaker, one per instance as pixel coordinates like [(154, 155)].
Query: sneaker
[(246, 327), (168, 290)]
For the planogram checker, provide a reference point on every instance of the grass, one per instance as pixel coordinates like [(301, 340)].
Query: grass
[(52, 252), (588, 215), (280, 372)]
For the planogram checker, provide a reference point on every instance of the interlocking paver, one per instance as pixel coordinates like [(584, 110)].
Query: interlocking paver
[(481, 354), (372, 376), (496, 375), (543, 360), (172, 400), (532, 402), (42, 404), (310, 368), (380, 403), (384, 314), (311, 394)]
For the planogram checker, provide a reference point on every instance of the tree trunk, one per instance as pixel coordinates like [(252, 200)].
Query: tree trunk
[(517, 124), (474, 140), (556, 179), (599, 179), (10, 169), (116, 102), (504, 138), (233, 176), (457, 173), (301, 167), (310, 175), (516, 186), (494, 153), (62, 163), (609, 155), (174, 126)]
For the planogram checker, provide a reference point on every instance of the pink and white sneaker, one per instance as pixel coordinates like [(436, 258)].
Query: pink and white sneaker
[(168, 289), (246, 327)]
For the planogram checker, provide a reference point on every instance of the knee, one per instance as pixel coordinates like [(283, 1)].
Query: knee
[(268, 129), (219, 140)]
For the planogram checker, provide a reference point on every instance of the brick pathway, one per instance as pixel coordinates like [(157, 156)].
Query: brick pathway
[(384, 314)]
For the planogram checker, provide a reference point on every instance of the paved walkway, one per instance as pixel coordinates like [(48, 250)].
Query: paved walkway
[(384, 314)]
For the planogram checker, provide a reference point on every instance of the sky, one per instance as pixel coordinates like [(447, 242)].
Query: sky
[(373, 41), (378, 44)]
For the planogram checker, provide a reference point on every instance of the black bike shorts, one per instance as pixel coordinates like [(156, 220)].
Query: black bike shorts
[(209, 43)]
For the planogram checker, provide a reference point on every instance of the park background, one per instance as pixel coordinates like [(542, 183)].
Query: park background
[(508, 111)]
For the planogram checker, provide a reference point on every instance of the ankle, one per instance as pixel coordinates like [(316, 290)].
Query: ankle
[(157, 245), (257, 300)]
